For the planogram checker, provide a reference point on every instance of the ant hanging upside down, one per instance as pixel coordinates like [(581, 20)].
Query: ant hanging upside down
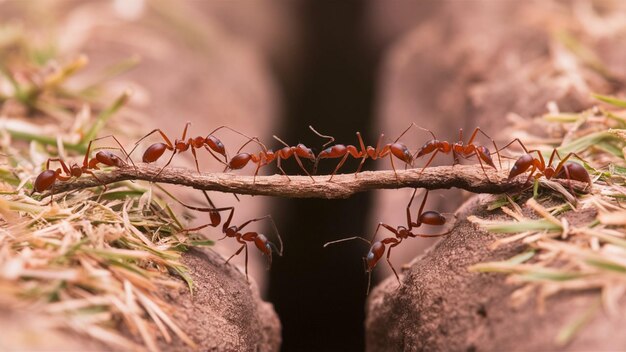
[(377, 249), (261, 242), (46, 179)]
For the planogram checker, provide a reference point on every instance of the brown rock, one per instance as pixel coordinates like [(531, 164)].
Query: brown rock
[(441, 306), (225, 312)]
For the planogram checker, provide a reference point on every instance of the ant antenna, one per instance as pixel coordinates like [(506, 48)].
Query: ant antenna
[(280, 140), (347, 239), (331, 139)]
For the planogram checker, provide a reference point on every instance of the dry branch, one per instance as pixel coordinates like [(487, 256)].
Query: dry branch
[(467, 177)]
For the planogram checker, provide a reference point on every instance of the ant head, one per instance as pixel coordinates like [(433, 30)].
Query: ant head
[(273, 248), (373, 256)]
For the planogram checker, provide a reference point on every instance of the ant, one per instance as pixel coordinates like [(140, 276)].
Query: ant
[(466, 150), (210, 143), (46, 179), (266, 156), (397, 149), (569, 171), (377, 249), (260, 241)]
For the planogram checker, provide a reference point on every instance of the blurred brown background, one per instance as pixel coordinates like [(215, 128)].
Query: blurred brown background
[(268, 68)]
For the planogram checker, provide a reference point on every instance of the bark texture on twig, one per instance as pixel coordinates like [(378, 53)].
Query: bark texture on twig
[(467, 177)]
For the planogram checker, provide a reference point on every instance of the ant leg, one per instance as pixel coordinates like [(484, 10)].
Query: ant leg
[(393, 167), (212, 223), (63, 165), (278, 159), (428, 163), (532, 171), (185, 130), (483, 167), (343, 160), (97, 179), (361, 143), (369, 278), (405, 131), (244, 245), (167, 164), (195, 157), (389, 261), (360, 165), (256, 172), (215, 156), (408, 209), (299, 161)]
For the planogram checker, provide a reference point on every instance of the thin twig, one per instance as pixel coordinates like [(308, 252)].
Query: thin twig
[(467, 177)]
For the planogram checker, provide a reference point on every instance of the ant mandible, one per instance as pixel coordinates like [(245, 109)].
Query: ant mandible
[(569, 171), (46, 179), (266, 156), (210, 143), (260, 241), (397, 149), (377, 249), (466, 150)]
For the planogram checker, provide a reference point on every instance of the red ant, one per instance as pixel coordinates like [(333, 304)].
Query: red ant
[(377, 249), (466, 150), (397, 149), (48, 177), (266, 156), (570, 171), (210, 143), (260, 241)]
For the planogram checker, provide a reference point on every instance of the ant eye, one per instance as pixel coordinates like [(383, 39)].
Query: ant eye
[(370, 256)]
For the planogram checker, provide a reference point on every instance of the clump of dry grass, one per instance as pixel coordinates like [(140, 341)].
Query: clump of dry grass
[(564, 255), (97, 259)]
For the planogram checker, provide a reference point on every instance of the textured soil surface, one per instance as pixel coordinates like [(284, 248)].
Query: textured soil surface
[(225, 312), (441, 306)]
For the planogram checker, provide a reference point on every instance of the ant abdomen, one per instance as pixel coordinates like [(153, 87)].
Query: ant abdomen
[(335, 150), (576, 172), (304, 152), (521, 165), (154, 152), (45, 180), (400, 151), (428, 148), (239, 161), (215, 144), (485, 155), (432, 218)]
